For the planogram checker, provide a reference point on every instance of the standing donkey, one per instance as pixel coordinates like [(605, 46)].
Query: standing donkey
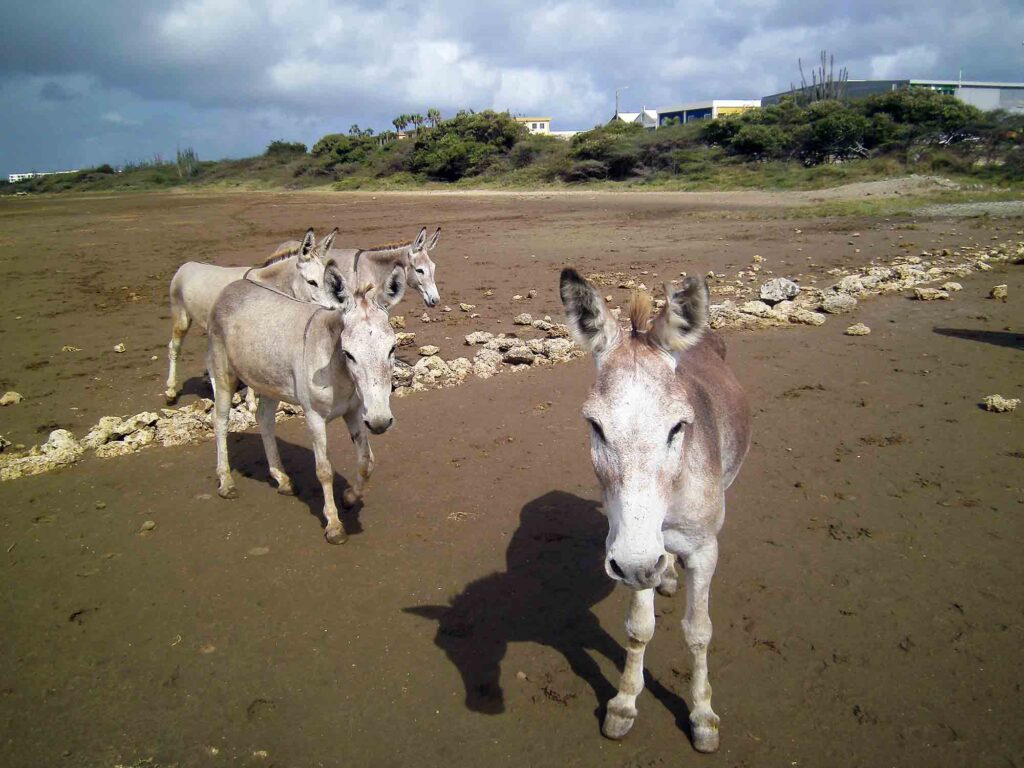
[(296, 268), (331, 362), (670, 427), (373, 265)]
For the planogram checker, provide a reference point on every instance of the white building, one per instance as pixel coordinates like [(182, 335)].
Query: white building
[(13, 178), (535, 124)]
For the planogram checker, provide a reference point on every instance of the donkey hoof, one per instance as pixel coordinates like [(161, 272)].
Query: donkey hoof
[(705, 736), (617, 723), (170, 397), (286, 489), (336, 535), (349, 498), (228, 493)]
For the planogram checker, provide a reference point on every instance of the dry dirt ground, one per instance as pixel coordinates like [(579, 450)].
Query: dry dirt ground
[(868, 602)]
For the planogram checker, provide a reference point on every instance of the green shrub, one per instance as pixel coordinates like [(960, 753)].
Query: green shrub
[(285, 149)]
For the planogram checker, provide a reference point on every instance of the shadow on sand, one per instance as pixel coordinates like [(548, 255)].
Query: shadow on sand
[(554, 574), (249, 460), (999, 338)]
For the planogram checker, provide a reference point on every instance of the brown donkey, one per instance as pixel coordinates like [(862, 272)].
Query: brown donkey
[(670, 427)]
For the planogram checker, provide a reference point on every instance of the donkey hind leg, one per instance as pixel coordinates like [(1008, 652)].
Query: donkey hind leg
[(700, 567), (669, 579), (335, 532), (364, 458), (221, 416), (266, 410), (181, 323), (639, 630)]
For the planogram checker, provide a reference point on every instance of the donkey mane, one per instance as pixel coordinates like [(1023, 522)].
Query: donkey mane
[(640, 309), (388, 247), (283, 252)]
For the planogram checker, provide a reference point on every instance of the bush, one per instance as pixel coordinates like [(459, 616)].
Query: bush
[(760, 141), (465, 145), (282, 148), (585, 170)]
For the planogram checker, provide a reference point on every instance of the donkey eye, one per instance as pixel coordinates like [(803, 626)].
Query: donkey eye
[(393, 347), (349, 356), (597, 429), (420, 270), (312, 282), (674, 431)]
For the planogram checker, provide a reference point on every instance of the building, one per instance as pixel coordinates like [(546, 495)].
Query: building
[(704, 110), (983, 95), (16, 177), (535, 124)]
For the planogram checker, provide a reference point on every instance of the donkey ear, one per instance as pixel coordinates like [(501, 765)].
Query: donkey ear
[(684, 317), (393, 289), (308, 243), (592, 324), (325, 244), (421, 238), (432, 244), (335, 285)]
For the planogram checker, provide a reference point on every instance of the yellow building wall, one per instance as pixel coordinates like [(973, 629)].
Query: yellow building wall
[(732, 110)]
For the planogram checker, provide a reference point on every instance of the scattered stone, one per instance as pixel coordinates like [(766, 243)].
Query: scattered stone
[(543, 325), (119, 348), (397, 322), (999, 292), (1000, 404), (446, 308), (258, 551), (609, 298), (486, 362), (852, 284), (424, 318), (520, 355), (59, 450), (524, 319), (403, 339), (429, 349), (930, 294), (779, 289), (467, 307), (756, 308), (838, 303), (857, 329), (70, 348), (11, 398), (478, 337), (488, 293), (402, 374), (628, 284), (517, 297), (806, 317), (4, 443), (532, 293), (147, 526), (520, 675), (952, 287)]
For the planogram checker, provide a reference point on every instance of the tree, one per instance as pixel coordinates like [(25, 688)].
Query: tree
[(434, 117), (824, 85)]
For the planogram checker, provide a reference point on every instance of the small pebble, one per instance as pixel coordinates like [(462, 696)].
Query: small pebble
[(149, 525), (857, 329)]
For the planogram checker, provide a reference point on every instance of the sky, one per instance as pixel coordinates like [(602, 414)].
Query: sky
[(84, 82)]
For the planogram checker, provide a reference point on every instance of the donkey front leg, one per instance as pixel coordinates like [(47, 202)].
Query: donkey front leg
[(700, 567), (364, 458), (266, 410), (181, 323), (334, 532), (639, 630)]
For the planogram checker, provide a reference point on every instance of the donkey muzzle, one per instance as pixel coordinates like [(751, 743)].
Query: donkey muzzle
[(637, 572)]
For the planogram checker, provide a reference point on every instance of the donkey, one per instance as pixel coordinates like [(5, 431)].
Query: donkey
[(375, 264), (670, 427), (295, 268), (331, 362)]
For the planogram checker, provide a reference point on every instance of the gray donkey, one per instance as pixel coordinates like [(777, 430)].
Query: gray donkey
[(669, 429), (296, 268), (331, 362)]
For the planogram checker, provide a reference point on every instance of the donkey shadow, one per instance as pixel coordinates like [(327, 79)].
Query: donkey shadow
[(249, 460), (554, 575)]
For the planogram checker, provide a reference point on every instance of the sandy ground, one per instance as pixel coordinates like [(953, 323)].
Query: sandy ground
[(868, 602)]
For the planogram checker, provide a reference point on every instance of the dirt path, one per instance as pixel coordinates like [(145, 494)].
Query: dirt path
[(867, 606)]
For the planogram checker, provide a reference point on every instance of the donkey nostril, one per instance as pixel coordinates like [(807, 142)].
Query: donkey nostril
[(660, 565), (616, 569)]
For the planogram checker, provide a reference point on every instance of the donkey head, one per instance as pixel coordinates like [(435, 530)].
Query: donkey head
[(420, 269), (639, 414), (368, 342), (309, 283)]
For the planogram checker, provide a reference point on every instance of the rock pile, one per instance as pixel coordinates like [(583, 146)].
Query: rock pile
[(1000, 404)]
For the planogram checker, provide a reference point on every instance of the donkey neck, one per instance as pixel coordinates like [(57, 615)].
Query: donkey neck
[(280, 274)]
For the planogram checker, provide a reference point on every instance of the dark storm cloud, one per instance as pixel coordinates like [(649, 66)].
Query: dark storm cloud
[(84, 81)]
